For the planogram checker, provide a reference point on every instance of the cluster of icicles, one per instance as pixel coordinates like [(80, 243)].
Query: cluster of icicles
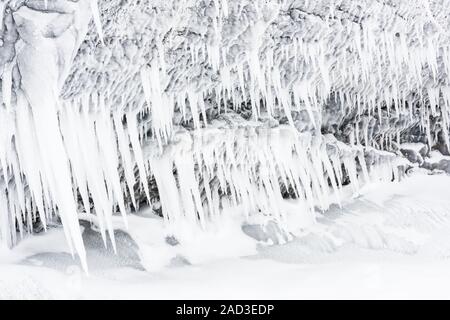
[(395, 67), (55, 155), (393, 56)]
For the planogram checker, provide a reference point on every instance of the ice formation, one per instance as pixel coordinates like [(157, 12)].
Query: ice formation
[(109, 105)]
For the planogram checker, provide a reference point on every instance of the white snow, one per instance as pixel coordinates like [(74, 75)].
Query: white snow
[(436, 156), (391, 242)]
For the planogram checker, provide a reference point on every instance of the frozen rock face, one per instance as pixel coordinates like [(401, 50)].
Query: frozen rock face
[(196, 106), (378, 60)]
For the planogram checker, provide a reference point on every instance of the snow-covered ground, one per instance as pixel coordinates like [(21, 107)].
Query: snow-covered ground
[(390, 241)]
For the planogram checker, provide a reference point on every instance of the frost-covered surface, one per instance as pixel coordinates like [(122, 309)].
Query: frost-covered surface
[(191, 112), (390, 242)]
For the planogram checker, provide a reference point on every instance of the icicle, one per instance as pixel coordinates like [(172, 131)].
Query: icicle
[(134, 138), (124, 149), (109, 154), (7, 84), (97, 21), (159, 103), (163, 172), (2, 14)]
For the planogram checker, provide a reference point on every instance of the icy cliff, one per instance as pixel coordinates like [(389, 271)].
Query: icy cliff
[(191, 107)]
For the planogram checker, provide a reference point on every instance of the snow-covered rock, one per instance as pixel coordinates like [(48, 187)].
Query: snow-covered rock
[(414, 152), (437, 161)]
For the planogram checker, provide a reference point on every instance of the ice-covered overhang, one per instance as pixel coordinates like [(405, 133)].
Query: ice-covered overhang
[(281, 55), (104, 95), (284, 55)]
